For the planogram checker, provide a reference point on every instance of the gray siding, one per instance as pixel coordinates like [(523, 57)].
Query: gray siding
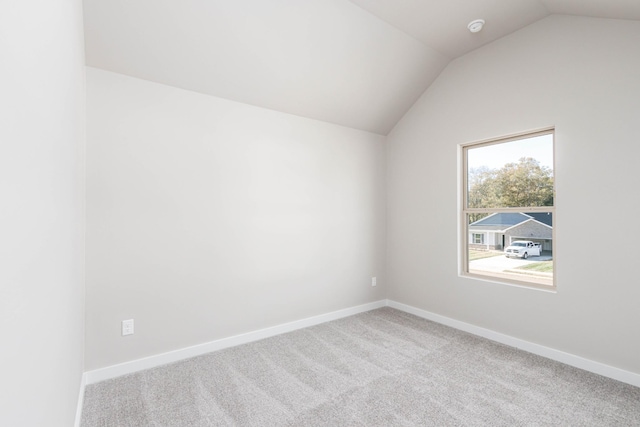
[(530, 230)]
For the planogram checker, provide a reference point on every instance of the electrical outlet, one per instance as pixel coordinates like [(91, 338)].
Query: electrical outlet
[(127, 327), (373, 281)]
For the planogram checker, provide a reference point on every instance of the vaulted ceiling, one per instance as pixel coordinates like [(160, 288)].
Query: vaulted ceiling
[(357, 63)]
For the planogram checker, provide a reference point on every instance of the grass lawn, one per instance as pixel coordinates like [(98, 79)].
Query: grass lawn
[(543, 266), (476, 254)]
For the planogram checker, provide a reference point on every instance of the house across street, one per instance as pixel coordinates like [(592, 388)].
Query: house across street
[(499, 230)]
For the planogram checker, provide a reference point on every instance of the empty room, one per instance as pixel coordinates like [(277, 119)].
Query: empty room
[(319, 213)]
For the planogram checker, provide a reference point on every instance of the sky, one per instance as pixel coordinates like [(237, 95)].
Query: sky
[(497, 155)]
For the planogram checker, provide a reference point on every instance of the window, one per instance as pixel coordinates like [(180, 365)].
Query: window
[(508, 194)]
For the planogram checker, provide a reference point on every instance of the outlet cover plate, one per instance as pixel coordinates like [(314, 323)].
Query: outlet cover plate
[(127, 327)]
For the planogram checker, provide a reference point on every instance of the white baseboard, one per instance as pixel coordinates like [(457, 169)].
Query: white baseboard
[(114, 371), (550, 353), (83, 384), (197, 350)]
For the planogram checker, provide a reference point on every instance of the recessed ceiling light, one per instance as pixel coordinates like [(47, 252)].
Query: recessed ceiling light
[(476, 26)]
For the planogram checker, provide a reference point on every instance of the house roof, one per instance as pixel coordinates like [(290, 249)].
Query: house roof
[(544, 217), (504, 220), (357, 63)]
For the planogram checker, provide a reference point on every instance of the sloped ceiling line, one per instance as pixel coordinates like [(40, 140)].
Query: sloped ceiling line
[(356, 63)]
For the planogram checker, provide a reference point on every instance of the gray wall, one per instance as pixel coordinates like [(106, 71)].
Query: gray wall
[(42, 215), (207, 218), (581, 75)]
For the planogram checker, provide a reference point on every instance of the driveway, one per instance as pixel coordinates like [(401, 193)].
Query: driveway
[(501, 262)]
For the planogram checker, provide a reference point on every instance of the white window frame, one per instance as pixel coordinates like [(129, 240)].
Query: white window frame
[(465, 210)]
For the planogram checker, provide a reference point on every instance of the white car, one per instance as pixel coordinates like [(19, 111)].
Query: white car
[(523, 249)]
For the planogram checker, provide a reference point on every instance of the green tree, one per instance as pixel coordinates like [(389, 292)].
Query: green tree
[(525, 183), (483, 192)]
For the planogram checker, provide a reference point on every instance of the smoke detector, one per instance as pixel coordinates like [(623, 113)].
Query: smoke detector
[(476, 26)]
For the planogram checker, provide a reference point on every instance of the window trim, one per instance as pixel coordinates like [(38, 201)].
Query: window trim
[(463, 210)]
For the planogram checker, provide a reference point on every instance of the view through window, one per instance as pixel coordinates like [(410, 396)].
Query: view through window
[(508, 206)]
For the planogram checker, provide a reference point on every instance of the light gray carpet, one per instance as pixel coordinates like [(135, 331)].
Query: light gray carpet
[(380, 368)]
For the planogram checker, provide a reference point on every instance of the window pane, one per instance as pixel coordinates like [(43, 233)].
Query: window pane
[(513, 245), (511, 174)]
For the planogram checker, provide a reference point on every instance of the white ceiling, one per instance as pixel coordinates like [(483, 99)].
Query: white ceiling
[(357, 63), (441, 24)]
